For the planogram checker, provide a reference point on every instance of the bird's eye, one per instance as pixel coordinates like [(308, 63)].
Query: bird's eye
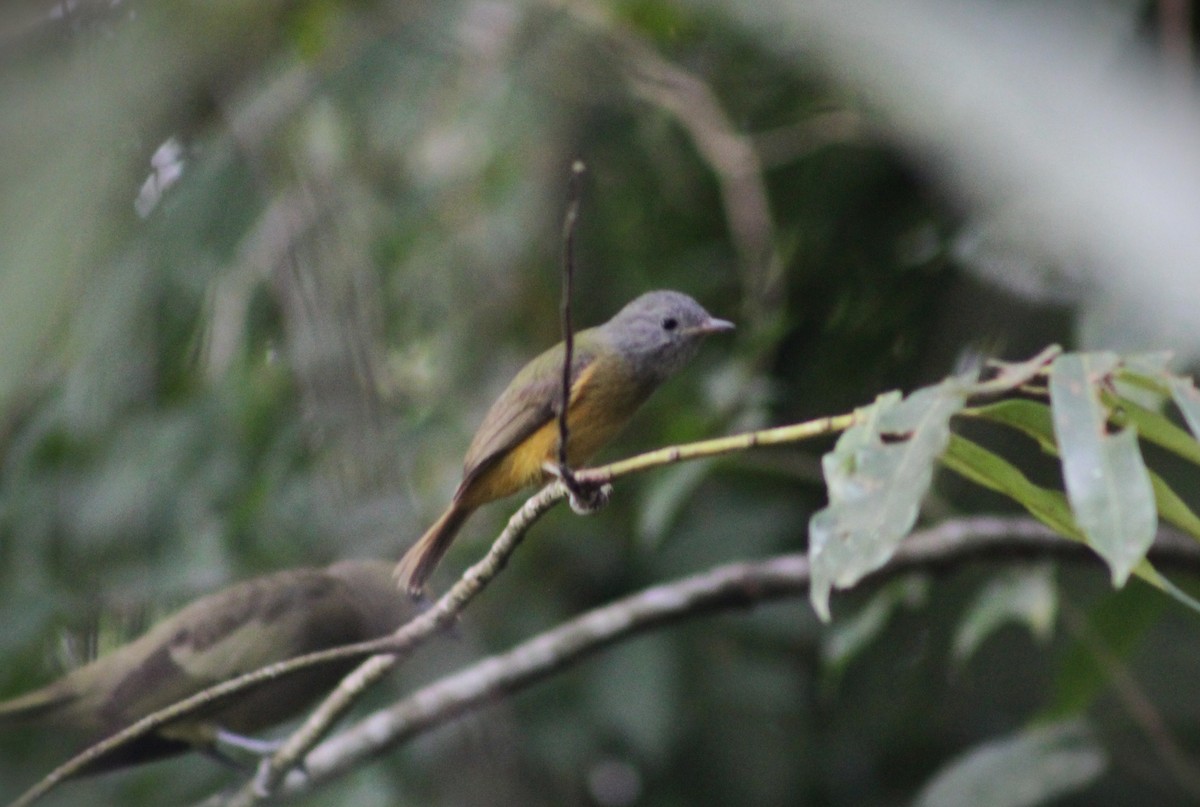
[(670, 324)]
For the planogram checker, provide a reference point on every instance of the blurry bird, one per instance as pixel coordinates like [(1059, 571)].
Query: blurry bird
[(615, 367), (239, 629)]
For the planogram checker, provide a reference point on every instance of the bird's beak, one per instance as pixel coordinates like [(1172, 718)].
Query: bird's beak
[(714, 325)]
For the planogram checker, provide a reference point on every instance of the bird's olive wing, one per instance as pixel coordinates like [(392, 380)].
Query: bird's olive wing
[(229, 633), (531, 400), (278, 617)]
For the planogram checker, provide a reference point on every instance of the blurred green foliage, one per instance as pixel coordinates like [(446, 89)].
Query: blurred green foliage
[(283, 360)]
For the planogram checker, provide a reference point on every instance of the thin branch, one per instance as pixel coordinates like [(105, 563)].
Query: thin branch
[(420, 629), (322, 719), (719, 446), (342, 698), (1014, 375), (399, 645), (793, 142), (570, 220), (735, 585), (319, 723), (579, 497), (414, 633)]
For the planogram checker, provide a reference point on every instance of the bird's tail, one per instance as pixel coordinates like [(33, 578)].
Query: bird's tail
[(422, 557)]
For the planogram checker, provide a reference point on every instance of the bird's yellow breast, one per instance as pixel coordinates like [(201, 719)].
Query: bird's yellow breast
[(600, 407)]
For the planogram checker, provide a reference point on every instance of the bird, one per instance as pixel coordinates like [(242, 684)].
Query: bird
[(614, 368), (215, 638)]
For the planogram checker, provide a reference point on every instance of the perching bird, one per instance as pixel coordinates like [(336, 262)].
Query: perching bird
[(239, 629), (614, 369)]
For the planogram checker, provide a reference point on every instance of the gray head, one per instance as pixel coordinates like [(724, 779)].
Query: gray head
[(659, 331)]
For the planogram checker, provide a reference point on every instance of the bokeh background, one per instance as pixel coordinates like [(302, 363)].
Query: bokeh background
[(263, 266)]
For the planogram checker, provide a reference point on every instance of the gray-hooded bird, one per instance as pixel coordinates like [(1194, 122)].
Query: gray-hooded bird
[(615, 367), (236, 630)]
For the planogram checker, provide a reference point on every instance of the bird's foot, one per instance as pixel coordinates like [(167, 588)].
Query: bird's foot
[(251, 745), (230, 748), (584, 497), (589, 498)]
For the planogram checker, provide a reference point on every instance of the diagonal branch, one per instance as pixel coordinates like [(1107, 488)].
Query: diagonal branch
[(423, 627), (343, 697), (735, 585), (443, 613), (416, 632), (397, 646)]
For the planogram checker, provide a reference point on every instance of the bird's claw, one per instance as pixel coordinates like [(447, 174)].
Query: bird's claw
[(262, 750), (584, 498), (587, 499), (250, 745)]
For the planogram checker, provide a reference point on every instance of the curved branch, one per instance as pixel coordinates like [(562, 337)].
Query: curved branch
[(319, 723), (722, 588), (410, 636), (397, 646)]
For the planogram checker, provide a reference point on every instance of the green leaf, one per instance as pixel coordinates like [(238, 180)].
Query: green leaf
[(1174, 509), (1026, 595), (1028, 768), (1107, 483), (991, 471), (877, 475), (1146, 388), (1152, 426), (1029, 417), (1187, 398), (976, 463), (1033, 419)]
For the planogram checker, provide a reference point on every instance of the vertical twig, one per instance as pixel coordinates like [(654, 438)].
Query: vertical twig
[(568, 276)]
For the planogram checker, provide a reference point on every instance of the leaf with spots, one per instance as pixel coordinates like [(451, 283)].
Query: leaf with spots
[(877, 475), (1108, 485)]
